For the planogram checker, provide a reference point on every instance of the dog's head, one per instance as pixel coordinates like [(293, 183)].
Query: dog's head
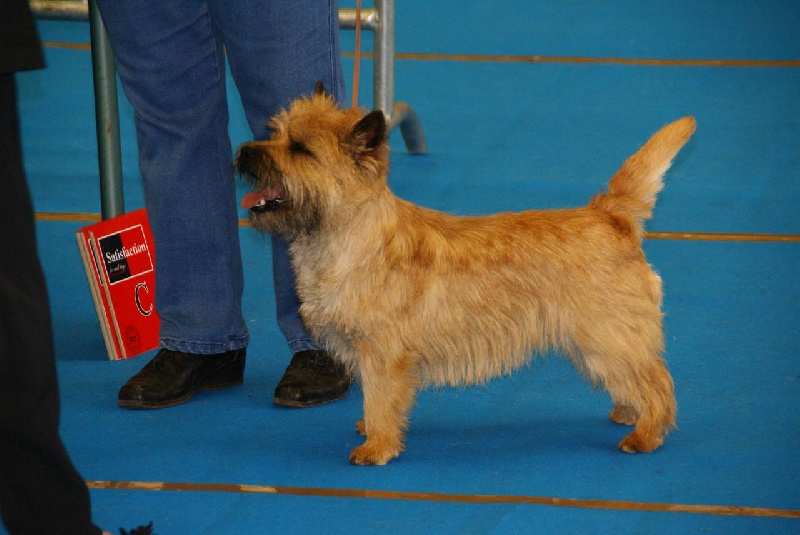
[(319, 164)]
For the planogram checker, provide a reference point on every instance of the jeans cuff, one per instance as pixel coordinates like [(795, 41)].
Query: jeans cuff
[(303, 345), (204, 348)]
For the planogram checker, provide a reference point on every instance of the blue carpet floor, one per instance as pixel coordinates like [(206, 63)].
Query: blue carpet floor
[(543, 129)]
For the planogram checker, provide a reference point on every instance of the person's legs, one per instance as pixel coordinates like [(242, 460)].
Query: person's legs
[(171, 64), (40, 490), (277, 53), (170, 60)]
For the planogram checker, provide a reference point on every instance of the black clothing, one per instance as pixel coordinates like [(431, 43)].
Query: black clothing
[(19, 42), (40, 490)]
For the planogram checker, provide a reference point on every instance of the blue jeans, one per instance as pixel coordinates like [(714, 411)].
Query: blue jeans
[(170, 59)]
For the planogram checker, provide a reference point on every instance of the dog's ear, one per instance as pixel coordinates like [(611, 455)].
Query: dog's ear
[(319, 89), (368, 134)]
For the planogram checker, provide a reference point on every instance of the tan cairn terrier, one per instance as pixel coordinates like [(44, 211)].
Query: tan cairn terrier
[(408, 297)]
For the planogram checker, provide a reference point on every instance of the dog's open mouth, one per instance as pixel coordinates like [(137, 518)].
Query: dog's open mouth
[(264, 200)]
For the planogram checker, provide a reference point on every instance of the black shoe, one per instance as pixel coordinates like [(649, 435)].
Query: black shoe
[(172, 377), (312, 378), (141, 530)]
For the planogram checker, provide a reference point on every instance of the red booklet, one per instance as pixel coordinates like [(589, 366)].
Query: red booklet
[(119, 257)]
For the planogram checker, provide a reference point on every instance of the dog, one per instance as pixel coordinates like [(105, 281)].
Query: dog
[(408, 297)]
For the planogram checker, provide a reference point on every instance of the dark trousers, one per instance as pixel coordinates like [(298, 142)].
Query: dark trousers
[(40, 490)]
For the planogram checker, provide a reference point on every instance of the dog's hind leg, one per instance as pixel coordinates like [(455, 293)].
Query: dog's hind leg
[(656, 412), (389, 390), (643, 394)]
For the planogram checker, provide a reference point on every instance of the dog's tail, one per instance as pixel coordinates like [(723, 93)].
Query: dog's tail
[(633, 189)]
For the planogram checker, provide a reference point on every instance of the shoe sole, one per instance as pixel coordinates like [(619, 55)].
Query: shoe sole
[(145, 405), (305, 404)]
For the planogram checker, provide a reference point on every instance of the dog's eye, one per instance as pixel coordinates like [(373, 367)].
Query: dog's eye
[(297, 147)]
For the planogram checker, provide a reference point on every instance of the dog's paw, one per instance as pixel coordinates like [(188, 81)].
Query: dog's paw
[(361, 429), (370, 455), (635, 443), (624, 415)]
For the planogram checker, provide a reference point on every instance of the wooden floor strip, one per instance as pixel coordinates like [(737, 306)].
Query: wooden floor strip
[(68, 217), (69, 46), (576, 60), (723, 236), (615, 505), (655, 235)]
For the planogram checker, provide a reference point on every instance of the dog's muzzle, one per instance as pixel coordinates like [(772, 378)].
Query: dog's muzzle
[(250, 162)]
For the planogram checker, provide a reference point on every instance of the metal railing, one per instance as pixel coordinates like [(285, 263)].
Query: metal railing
[(378, 19)]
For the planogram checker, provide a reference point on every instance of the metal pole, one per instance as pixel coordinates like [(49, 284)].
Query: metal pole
[(380, 19), (109, 150), (398, 113), (383, 67), (369, 18), (60, 10)]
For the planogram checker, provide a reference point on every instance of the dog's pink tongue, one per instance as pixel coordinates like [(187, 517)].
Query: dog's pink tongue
[(255, 197)]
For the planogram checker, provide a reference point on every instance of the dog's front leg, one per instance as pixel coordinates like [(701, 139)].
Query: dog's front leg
[(389, 390)]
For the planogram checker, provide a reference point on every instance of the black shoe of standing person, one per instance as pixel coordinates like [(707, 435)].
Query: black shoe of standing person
[(312, 378), (172, 377)]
